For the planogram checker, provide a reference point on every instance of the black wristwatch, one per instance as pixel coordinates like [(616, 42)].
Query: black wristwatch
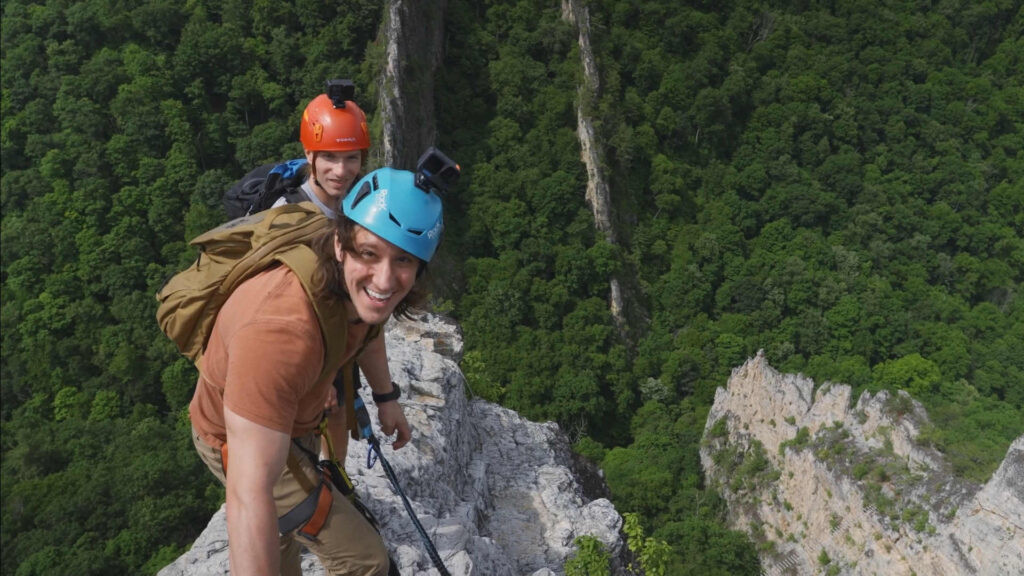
[(395, 393)]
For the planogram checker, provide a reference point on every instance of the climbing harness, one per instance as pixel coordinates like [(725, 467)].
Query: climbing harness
[(307, 518)]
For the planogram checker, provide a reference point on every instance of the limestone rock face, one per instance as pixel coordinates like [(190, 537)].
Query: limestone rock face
[(496, 493), (817, 483), (413, 34)]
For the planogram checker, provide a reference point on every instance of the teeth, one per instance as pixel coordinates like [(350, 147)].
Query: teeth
[(379, 295)]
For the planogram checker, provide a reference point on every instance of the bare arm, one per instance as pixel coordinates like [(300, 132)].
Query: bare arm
[(257, 456), (374, 364)]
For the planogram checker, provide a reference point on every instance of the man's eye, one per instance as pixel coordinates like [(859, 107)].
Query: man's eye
[(407, 261)]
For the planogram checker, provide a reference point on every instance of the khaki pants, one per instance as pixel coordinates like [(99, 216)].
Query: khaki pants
[(347, 544)]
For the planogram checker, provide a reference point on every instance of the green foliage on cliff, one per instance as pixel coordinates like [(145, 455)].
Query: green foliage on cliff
[(840, 185), (591, 559)]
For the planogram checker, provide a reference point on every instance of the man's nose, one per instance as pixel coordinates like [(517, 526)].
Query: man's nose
[(384, 275)]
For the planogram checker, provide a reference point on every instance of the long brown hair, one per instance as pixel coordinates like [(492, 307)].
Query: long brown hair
[(329, 278)]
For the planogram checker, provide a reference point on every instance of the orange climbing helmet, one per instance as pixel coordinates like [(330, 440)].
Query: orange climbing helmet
[(332, 121)]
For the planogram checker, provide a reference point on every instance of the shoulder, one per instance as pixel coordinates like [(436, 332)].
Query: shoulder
[(273, 296)]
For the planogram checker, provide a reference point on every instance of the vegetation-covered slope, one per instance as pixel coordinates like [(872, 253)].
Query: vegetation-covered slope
[(840, 184), (123, 123)]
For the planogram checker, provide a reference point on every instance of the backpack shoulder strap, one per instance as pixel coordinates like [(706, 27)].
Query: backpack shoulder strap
[(373, 332), (296, 195), (330, 313), (348, 380)]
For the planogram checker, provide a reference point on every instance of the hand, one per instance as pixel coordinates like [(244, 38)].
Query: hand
[(392, 418)]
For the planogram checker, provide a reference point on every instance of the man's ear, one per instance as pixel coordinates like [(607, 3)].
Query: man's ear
[(339, 253)]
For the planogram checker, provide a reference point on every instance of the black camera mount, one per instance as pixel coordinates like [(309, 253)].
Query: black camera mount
[(436, 171), (339, 90)]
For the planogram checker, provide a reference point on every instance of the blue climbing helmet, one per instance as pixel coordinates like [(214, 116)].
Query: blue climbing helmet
[(388, 203), (403, 207)]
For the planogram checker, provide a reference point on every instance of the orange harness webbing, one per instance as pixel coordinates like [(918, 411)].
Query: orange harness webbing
[(316, 506)]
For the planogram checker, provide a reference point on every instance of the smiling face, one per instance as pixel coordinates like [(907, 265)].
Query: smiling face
[(377, 275), (334, 171)]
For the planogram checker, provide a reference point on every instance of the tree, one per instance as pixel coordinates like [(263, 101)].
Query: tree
[(913, 373)]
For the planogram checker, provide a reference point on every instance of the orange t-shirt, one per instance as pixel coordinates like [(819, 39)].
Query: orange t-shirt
[(263, 359)]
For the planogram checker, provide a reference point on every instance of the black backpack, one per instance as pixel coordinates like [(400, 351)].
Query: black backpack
[(260, 188)]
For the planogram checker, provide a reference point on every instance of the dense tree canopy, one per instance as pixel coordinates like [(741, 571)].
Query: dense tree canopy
[(837, 183), (123, 123)]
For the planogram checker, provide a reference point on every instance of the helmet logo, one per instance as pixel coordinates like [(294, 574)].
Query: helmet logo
[(318, 131), (381, 202), (345, 139), (435, 232)]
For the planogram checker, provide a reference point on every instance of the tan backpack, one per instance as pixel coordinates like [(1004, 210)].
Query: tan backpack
[(234, 252)]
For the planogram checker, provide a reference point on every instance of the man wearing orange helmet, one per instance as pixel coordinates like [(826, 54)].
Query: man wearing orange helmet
[(336, 140)]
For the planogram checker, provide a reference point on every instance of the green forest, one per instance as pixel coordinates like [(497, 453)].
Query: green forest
[(838, 183)]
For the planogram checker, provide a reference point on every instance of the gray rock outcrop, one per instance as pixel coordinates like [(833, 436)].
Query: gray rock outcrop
[(823, 485), (413, 34), (495, 492), (598, 193)]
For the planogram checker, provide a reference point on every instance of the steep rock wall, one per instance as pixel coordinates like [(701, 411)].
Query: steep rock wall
[(598, 194), (413, 34), (819, 483)]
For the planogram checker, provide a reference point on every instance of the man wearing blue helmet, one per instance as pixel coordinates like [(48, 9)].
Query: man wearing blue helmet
[(260, 389)]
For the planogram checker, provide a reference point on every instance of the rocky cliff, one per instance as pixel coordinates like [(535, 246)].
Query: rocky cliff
[(598, 195), (626, 310), (826, 486), (498, 494), (413, 36)]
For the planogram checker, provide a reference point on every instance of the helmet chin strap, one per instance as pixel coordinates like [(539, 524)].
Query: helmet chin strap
[(312, 171), (314, 182)]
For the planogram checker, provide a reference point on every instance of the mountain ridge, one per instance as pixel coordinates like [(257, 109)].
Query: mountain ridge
[(819, 482)]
